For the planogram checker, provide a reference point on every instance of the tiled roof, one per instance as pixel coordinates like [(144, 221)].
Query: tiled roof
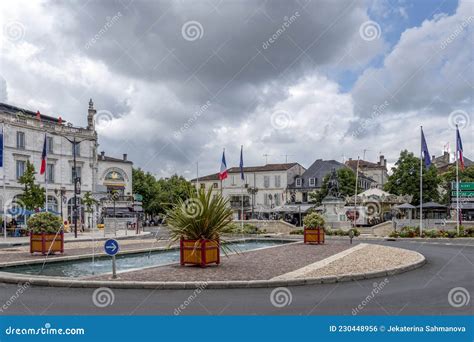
[(264, 168)]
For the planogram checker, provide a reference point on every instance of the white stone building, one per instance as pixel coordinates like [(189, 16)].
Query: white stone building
[(24, 134), (264, 187)]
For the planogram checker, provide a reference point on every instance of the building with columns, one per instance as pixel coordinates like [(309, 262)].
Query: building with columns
[(24, 134)]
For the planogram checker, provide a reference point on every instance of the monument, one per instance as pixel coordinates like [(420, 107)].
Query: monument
[(333, 204)]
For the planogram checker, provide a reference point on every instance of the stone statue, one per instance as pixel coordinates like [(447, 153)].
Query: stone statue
[(333, 185)]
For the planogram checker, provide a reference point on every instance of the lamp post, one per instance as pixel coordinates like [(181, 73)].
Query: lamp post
[(76, 179)]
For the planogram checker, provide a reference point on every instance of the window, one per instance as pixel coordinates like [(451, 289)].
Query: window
[(233, 180), (78, 149), (215, 185), (20, 140), (277, 181), (49, 144), (266, 181), (298, 182), (50, 173), (203, 186), (78, 174), (277, 199), (52, 203), (20, 168), (266, 201), (312, 182)]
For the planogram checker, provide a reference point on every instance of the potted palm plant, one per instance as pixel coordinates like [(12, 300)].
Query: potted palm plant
[(198, 223), (313, 228), (46, 233)]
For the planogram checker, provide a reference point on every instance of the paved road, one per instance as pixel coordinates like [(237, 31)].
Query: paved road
[(420, 292)]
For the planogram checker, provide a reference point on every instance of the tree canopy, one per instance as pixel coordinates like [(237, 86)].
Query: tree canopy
[(405, 179), (33, 195), (160, 194)]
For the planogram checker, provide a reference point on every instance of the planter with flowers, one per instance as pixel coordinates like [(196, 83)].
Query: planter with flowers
[(313, 229), (198, 223), (46, 233)]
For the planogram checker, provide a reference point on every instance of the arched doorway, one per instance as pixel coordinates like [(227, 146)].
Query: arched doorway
[(115, 181), (70, 210)]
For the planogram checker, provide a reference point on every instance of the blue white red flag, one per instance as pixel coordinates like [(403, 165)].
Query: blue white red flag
[(459, 148), (223, 171), (43, 158)]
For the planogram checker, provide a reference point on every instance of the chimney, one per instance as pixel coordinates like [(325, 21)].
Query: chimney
[(102, 155), (350, 159), (124, 157), (381, 160), (433, 158)]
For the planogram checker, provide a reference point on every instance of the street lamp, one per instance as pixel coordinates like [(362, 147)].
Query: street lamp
[(76, 180)]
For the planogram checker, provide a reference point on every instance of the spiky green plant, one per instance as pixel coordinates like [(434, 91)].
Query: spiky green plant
[(203, 215)]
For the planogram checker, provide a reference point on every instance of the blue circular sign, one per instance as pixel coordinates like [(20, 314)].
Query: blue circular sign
[(111, 247)]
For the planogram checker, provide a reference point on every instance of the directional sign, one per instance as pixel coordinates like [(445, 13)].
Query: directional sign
[(111, 247), (463, 185)]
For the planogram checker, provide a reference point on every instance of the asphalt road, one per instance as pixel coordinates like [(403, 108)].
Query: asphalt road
[(420, 292)]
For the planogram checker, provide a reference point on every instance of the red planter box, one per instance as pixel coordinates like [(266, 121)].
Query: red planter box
[(314, 235), (199, 252), (47, 243)]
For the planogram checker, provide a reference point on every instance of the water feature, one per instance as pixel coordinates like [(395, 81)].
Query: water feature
[(101, 265)]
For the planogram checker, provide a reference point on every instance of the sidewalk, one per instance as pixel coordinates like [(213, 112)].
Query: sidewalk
[(69, 237)]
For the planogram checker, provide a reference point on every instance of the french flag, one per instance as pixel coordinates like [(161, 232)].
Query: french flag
[(223, 172), (43, 158), (459, 148)]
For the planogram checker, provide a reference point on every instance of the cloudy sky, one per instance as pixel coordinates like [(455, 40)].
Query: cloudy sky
[(175, 82)]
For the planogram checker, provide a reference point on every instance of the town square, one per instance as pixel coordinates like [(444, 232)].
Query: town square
[(303, 169)]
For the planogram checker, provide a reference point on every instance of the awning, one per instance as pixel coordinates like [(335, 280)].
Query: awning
[(404, 206), (294, 209)]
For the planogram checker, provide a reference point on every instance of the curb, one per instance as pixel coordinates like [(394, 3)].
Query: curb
[(10, 278)]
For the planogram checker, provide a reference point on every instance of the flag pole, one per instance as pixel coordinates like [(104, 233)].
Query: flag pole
[(458, 216), (46, 176), (355, 194), (421, 181), (242, 190), (223, 152), (4, 184)]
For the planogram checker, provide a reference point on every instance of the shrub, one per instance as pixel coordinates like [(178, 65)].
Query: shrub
[(297, 232), (314, 220), (394, 234), (44, 223)]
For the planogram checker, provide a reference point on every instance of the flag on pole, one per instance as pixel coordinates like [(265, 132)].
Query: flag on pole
[(241, 163), (1, 148), (424, 150), (43, 157), (223, 172), (459, 148)]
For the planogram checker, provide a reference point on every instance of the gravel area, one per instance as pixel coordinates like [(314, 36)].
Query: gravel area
[(76, 248), (253, 265), (370, 258)]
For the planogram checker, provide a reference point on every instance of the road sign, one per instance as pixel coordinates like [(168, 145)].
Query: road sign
[(111, 247), (463, 185), (463, 193)]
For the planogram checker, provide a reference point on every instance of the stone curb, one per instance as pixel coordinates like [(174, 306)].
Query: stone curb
[(174, 285)]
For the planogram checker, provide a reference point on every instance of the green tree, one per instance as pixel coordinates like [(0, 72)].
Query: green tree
[(346, 178), (33, 195), (405, 179), (466, 175)]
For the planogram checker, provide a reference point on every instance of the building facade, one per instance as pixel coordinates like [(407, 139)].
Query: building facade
[(24, 133), (375, 171), (264, 187)]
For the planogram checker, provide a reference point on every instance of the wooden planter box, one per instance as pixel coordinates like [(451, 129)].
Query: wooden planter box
[(314, 235), (199, 252), (47, 243)]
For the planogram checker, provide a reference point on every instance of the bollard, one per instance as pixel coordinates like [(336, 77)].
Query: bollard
[(351, 235)]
